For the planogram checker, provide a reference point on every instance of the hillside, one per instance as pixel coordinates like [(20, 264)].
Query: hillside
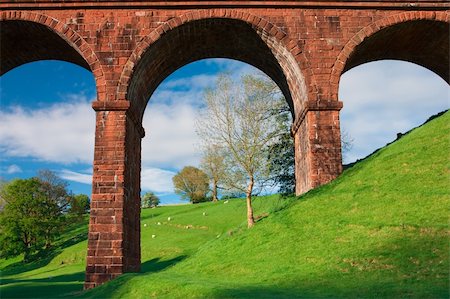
[(380, 230)]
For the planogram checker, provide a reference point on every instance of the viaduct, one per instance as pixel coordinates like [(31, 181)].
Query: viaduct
[(132, 46)]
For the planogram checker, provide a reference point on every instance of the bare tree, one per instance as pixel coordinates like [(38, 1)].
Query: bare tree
[(213, 164), (239, 118)]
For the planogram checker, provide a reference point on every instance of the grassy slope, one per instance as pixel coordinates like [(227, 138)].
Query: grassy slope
[(380, 230)]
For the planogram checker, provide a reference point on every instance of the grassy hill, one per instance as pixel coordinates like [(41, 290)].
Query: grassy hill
[(380, 230)]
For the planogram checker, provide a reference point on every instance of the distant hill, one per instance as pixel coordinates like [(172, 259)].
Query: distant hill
[(379, 231)]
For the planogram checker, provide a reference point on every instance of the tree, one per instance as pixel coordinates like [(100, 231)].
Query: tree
[(55, 188), (79, 204), (281, 152), (56, 192), (213, 164), (240, 118), (149, 200), (27, 221), (192, 184)]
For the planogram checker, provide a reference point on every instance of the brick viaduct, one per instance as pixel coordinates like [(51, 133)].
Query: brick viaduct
[(132, 46)]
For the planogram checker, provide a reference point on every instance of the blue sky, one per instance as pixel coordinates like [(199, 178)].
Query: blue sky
[(46, 119)]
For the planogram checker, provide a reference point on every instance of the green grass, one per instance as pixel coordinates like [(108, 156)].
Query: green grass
[(380, 230)]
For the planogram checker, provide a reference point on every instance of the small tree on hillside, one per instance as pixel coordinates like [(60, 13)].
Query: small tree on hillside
[(27, 222), (79, 204), (213, 164), (149, 200), (55, 190), (192, 184), (239, 117)]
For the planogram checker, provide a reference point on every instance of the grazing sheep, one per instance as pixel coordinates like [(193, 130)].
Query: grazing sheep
[(145, 224), (159, 223), (153, 236), (204, 213), (168, 218)]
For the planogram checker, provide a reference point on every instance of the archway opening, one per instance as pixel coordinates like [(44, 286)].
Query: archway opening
[(47, 121), (171, 144)]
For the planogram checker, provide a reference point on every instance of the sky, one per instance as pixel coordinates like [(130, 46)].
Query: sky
[(46, 119)]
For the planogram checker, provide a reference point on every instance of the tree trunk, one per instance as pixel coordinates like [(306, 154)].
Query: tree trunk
[(250, 219), (214, 191)]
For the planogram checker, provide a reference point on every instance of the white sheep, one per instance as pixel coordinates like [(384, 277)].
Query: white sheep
[(159, 223), (145, 224), (153, 236), (204, 213), (168, 218)]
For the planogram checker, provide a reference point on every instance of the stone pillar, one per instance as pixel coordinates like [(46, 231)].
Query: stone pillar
[(317, 139), (114, 225)]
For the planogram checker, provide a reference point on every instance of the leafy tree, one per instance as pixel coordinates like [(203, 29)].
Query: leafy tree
[(149, 200), (192, 184), (213, 164), (240, 118), (27, 222), (281, 152), (79, 204), (55, 190)]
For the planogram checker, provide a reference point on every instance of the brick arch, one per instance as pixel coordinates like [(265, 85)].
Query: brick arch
[(66, 44), (286, 52), (410, 26)]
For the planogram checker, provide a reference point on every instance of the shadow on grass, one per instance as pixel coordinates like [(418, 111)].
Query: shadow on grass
[(50, 287), (156, 265), (43, 258), (114, 286), (68, 285)]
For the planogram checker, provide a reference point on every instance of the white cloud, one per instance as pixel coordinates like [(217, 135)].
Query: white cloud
[(384, 98), (170, 136), (76, 176), (61, 133), (157, 180), (11, 169)]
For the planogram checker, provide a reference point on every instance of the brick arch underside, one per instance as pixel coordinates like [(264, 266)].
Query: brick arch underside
[(26, 41), (423, 42), (212, 38)]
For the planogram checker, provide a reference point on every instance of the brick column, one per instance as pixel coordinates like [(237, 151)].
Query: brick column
[(317, 138), (114, 226)]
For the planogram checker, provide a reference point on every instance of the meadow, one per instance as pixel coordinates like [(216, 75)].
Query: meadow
[(380, 230)]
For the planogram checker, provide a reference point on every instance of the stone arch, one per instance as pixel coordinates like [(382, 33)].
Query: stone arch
[(51, 39), (292, 76), (414, 44)]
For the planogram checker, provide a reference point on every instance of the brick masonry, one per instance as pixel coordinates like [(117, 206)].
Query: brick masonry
[(131, 46)]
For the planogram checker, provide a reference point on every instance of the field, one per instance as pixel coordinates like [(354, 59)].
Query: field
[(379, 231)]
